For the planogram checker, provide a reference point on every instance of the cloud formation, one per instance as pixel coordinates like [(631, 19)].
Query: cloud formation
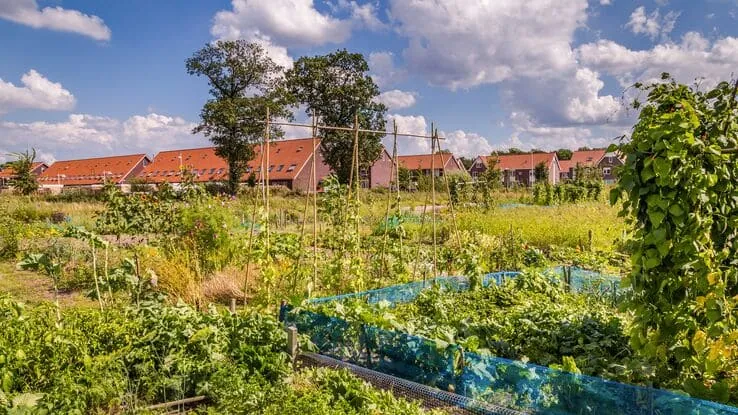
[(459, 142), (282, 24), (652, 25), (692, 56), (36, 92), (27, 12), (100, 136), (396, 99), (466, 44)]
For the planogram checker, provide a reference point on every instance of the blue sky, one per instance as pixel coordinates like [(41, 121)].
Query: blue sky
[(85, 78)]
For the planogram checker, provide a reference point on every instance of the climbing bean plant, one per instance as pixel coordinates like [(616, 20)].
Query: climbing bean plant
[(679, 190)]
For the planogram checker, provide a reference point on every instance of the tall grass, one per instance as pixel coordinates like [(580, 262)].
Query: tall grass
[(544, 226)]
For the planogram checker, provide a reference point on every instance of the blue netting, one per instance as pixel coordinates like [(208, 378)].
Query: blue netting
[(501, 381), (397, 294), (541, 389)]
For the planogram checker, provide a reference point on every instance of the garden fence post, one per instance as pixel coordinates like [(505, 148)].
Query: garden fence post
[(590, 240), (614, 292), (292, 342), (233, 306)]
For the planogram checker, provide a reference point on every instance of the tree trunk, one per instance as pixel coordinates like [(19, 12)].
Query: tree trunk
[(234, 178)]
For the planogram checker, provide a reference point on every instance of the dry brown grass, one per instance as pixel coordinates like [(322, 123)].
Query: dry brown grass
[(223, 285)]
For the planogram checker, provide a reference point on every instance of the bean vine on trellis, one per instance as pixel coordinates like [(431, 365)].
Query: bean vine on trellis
[(680, 195)]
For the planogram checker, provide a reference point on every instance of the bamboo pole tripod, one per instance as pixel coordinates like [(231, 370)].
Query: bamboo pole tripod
[(353, 191)]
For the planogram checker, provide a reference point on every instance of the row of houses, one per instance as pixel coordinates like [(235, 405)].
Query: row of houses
[(290, 165), (519, 169)]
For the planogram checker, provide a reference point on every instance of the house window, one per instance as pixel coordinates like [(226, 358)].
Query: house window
[(271, 168), (212, 171), (281, 166), (606, 171), (220, 171), (292, 167)]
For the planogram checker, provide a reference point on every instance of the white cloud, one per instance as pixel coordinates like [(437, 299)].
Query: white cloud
[(282, 24), (37, 92), (396, 99), (362, 15), (572, 99), (465, 44), (459, 142), (528, 135), (85, 135), (525, 47), (28, 13), (465, 144), (585, 105), (652, 25), (383, 69), (291, 22), (605, 2), (694, 56)]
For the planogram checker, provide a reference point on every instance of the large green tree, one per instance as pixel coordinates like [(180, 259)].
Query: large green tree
[(337, 87), (564, 154), (244, 82), (24, 181)]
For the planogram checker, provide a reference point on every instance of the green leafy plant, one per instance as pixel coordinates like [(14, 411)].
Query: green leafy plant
[(679, 198)]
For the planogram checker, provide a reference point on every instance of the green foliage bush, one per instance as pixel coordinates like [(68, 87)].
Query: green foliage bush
[(127, 358), (9, 236), (531, 317), (679, 195)]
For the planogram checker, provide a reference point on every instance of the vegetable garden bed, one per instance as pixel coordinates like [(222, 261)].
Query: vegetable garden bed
[(441, 334)]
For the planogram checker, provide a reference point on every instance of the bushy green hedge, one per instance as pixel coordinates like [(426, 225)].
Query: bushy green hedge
[(124, 359)]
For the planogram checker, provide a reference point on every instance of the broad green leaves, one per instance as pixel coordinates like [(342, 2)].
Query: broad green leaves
[(678, 195)]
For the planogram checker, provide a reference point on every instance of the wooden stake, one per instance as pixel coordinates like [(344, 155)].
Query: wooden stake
[(433, 193), (292, 342), (396, 166), (315, 206), (266, 172)]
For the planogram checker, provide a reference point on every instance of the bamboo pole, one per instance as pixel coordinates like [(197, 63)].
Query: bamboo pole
[(248, 257), (389, 206), (315, 205), (358, 177), (433, 193), (266, 175), (396, 165), (451, 205), (352, 129)]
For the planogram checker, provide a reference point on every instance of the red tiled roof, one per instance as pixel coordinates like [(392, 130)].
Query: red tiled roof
[(286, 158), (166, 166), (521, 161), (566, 165), (9, 172), (91, 171), (585, 158), (424, 162)]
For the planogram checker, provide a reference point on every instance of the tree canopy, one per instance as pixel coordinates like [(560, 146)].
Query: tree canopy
[(564, 154), (337, 87), (244, 83)]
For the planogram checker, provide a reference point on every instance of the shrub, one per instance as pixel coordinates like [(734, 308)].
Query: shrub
[(28, 213), (9, 230)]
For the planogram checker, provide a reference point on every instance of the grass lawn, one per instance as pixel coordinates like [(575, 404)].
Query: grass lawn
[(33, 288)]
